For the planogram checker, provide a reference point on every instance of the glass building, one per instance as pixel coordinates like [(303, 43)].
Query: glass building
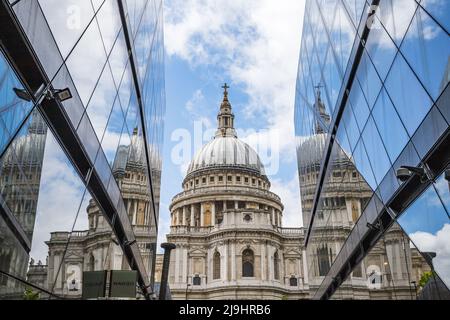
[(372, 116), (82, 105)]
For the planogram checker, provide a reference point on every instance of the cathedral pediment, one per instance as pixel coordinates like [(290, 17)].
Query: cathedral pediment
[(73, 255), (197, 253), (292, 252)]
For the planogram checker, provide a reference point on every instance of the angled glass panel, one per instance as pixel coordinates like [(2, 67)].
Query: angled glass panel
[(332, 80), (13, 261), (101, 102), (442, 186), (375, 150), (13, 109), (389, 126), (67, 21), (381, 49), (409, 97), (431, 129), (391, 270), (351, 126), (427, 223), (396, 16), (135, 9), (440, 11), (109, 23), (355, 8), (427, 49), (61, 207), (359, 105), (369, 80), (342, 36), (86, 62), (20, 172), (363, 165)]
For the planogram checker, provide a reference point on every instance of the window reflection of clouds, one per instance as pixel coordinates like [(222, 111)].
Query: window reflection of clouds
[(426, 214), (67, 20), (438, 243), (410, 99)]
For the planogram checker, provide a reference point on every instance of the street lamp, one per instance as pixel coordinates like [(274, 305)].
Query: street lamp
[(59, 94), (405, 172), (187, 287), (414, 283), (165, 269)]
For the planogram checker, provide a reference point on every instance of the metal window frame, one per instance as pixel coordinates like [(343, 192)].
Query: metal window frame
[(27, 65)]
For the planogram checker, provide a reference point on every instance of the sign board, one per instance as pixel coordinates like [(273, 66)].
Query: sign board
[(94, 284), (122, 284)]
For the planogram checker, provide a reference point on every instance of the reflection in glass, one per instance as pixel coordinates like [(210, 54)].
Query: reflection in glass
[(391, 271), (427, 223), (20, 172)]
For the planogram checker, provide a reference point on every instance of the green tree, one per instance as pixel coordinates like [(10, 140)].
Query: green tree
[(29, 294), (425, 278)]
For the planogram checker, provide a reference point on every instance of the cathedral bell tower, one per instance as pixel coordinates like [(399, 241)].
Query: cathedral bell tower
[(225, 118), (321, 111)]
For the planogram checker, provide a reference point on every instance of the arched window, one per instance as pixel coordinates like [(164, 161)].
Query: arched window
[(276, 269), (323, 258), (216, 265), (248, 260)]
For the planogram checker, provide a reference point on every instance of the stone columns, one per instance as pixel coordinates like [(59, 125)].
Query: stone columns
[(177, 265), (263, 259), (270, 260), (184, 216), (202, 215), (133, 220), (272, 213), (305, 267), (213, 214), (185, 261), (226, 262), (233, 261), (192, 216)]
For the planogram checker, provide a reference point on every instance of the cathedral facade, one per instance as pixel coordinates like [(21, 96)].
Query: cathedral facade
[(230, 243), (95, 249), (227, 227)]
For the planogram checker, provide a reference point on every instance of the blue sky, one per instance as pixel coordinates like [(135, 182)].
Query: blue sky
[(254, 47)]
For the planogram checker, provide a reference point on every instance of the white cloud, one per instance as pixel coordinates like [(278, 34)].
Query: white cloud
[(288, 192), (164, 225), (197, 98), (255, 42), (439, 243), (60, 194)]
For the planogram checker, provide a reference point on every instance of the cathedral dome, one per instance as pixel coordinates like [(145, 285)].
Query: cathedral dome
[(133, 155), (227, 152)]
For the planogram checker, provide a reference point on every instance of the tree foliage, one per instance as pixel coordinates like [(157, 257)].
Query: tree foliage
[(425, 278), (29, 294)]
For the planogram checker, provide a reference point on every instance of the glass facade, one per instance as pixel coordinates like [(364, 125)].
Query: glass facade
[(372, 97), (79, 177)]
